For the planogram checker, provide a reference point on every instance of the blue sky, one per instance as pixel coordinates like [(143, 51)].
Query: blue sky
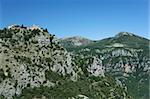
[(93, 19)]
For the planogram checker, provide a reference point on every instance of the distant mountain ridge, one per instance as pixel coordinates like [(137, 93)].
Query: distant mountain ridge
[(125, 38), (75, 41)]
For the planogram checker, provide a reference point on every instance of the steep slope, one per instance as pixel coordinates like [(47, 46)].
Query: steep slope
[(26, 55)]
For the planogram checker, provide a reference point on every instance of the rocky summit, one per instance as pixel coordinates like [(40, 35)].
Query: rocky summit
[(34, 64)]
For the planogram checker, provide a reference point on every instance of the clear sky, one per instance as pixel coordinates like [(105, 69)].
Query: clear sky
[(93, 19)]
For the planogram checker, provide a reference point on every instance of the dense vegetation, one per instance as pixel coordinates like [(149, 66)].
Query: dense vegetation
[(92, 87)]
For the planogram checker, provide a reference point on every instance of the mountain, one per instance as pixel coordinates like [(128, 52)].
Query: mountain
[(125, 56), (34, 66), (121, 39), (76, 41), (26, 55)]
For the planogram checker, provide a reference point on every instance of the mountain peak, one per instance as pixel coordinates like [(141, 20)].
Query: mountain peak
[(120, 34), (76, 40), (75, 37)]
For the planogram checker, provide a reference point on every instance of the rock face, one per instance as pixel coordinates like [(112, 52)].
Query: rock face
[(25, 56), (96, 68)]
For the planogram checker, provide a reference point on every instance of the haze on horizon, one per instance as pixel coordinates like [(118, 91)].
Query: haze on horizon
[(93, 19)]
